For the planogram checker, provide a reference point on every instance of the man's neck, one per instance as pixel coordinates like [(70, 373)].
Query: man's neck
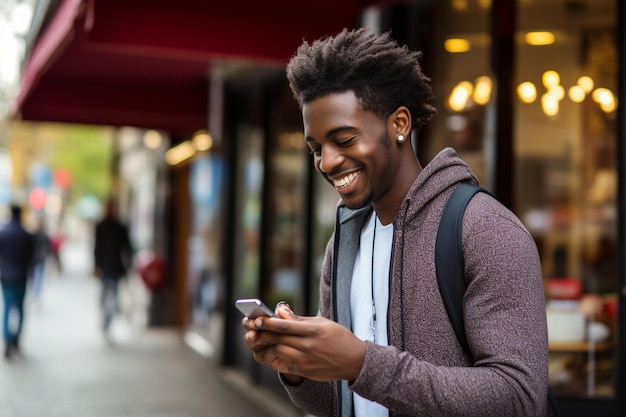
[(388, 208)]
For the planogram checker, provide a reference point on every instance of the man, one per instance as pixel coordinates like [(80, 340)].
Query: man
[(383, 344), (17, 248), (112, 253)]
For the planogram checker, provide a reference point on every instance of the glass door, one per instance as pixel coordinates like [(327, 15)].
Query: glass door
[(458, 64), (566, 183)]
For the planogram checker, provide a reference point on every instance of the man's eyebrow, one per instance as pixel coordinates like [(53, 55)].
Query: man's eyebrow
[(332, 132)]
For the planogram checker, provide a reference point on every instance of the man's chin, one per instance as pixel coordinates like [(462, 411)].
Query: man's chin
[(355, 205)]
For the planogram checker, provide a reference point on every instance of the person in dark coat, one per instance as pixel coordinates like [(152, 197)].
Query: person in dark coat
[(17, 248), (112, 253)]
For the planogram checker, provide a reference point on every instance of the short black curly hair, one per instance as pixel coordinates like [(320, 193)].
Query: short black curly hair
[(382, 74)]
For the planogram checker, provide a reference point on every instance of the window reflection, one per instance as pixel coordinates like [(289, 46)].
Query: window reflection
[(566, 183), (462, 82), (286, 244), (565, 159)]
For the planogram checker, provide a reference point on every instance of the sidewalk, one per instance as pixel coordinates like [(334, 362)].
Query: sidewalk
[(67, 368)]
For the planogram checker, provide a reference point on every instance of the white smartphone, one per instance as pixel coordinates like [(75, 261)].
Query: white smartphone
[(253, 308)]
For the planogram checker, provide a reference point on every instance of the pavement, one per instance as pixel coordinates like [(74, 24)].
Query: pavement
[(67, 367)]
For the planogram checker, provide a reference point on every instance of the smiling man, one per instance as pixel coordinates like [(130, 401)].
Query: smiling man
[(382, 343)]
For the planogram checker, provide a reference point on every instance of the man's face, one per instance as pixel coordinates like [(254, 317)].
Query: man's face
[(351, 148)]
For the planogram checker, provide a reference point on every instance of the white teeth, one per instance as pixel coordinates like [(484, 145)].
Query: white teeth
[(347, 180)]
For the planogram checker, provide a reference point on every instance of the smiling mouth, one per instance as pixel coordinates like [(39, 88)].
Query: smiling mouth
[(347, 180)]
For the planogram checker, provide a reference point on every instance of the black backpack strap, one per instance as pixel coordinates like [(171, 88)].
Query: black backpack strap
[(449, 261), (450, 266)]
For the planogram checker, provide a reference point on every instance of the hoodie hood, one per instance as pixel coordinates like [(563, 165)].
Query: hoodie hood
[(445, 171)]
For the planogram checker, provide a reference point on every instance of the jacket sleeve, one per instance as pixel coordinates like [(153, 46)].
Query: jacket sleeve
[(505, 321), (317, 398)]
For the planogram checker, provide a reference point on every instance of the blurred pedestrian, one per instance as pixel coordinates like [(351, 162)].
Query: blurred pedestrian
[(43, 249), (16, 259), (112, 253)]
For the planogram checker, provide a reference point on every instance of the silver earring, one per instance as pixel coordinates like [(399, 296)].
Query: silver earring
[(400, 138)]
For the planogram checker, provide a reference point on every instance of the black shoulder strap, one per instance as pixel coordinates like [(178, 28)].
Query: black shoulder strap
[(450, 266), (449, 261)]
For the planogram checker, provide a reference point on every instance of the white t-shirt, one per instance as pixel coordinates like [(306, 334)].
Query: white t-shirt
[(362, 306)]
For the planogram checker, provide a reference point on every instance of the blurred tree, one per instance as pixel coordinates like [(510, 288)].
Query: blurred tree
[(86, 152)]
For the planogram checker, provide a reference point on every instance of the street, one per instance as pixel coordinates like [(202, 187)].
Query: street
[(68, 368)]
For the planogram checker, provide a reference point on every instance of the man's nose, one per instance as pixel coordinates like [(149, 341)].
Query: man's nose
[(330, 158)]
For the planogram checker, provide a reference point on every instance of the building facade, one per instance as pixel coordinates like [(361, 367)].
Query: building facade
[(536, 118), (528, 93)]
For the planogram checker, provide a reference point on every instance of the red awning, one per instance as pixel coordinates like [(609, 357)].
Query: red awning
[(145, 63)]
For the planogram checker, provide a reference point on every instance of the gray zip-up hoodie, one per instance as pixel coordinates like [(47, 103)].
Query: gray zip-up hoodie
[(425, 371)]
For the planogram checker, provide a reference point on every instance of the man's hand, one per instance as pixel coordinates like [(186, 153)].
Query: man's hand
[(311, 347)]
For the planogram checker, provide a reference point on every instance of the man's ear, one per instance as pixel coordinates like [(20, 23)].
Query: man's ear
[(400, 123)]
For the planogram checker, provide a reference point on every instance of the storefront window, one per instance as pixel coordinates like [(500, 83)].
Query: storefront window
[(286, 218), (247, 225), (206, 282), (458, 64), (566, 184), (249, 201)]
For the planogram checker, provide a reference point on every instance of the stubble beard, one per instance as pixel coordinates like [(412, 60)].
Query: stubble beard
[(369, 198)]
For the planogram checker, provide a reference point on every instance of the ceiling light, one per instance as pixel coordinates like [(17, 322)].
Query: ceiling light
[(152, 139), (527, 92), (456, 45), (539, 38), (482, 92), (180, 153), (459, 96), (576, 93), (605, 98), (551, 78), (602, 95), (202, 140), (608, 107), (557, 91), (586, 83), (550, 104)]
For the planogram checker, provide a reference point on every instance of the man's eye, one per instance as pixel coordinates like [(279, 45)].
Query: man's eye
[(347, 141), (315, 151)]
